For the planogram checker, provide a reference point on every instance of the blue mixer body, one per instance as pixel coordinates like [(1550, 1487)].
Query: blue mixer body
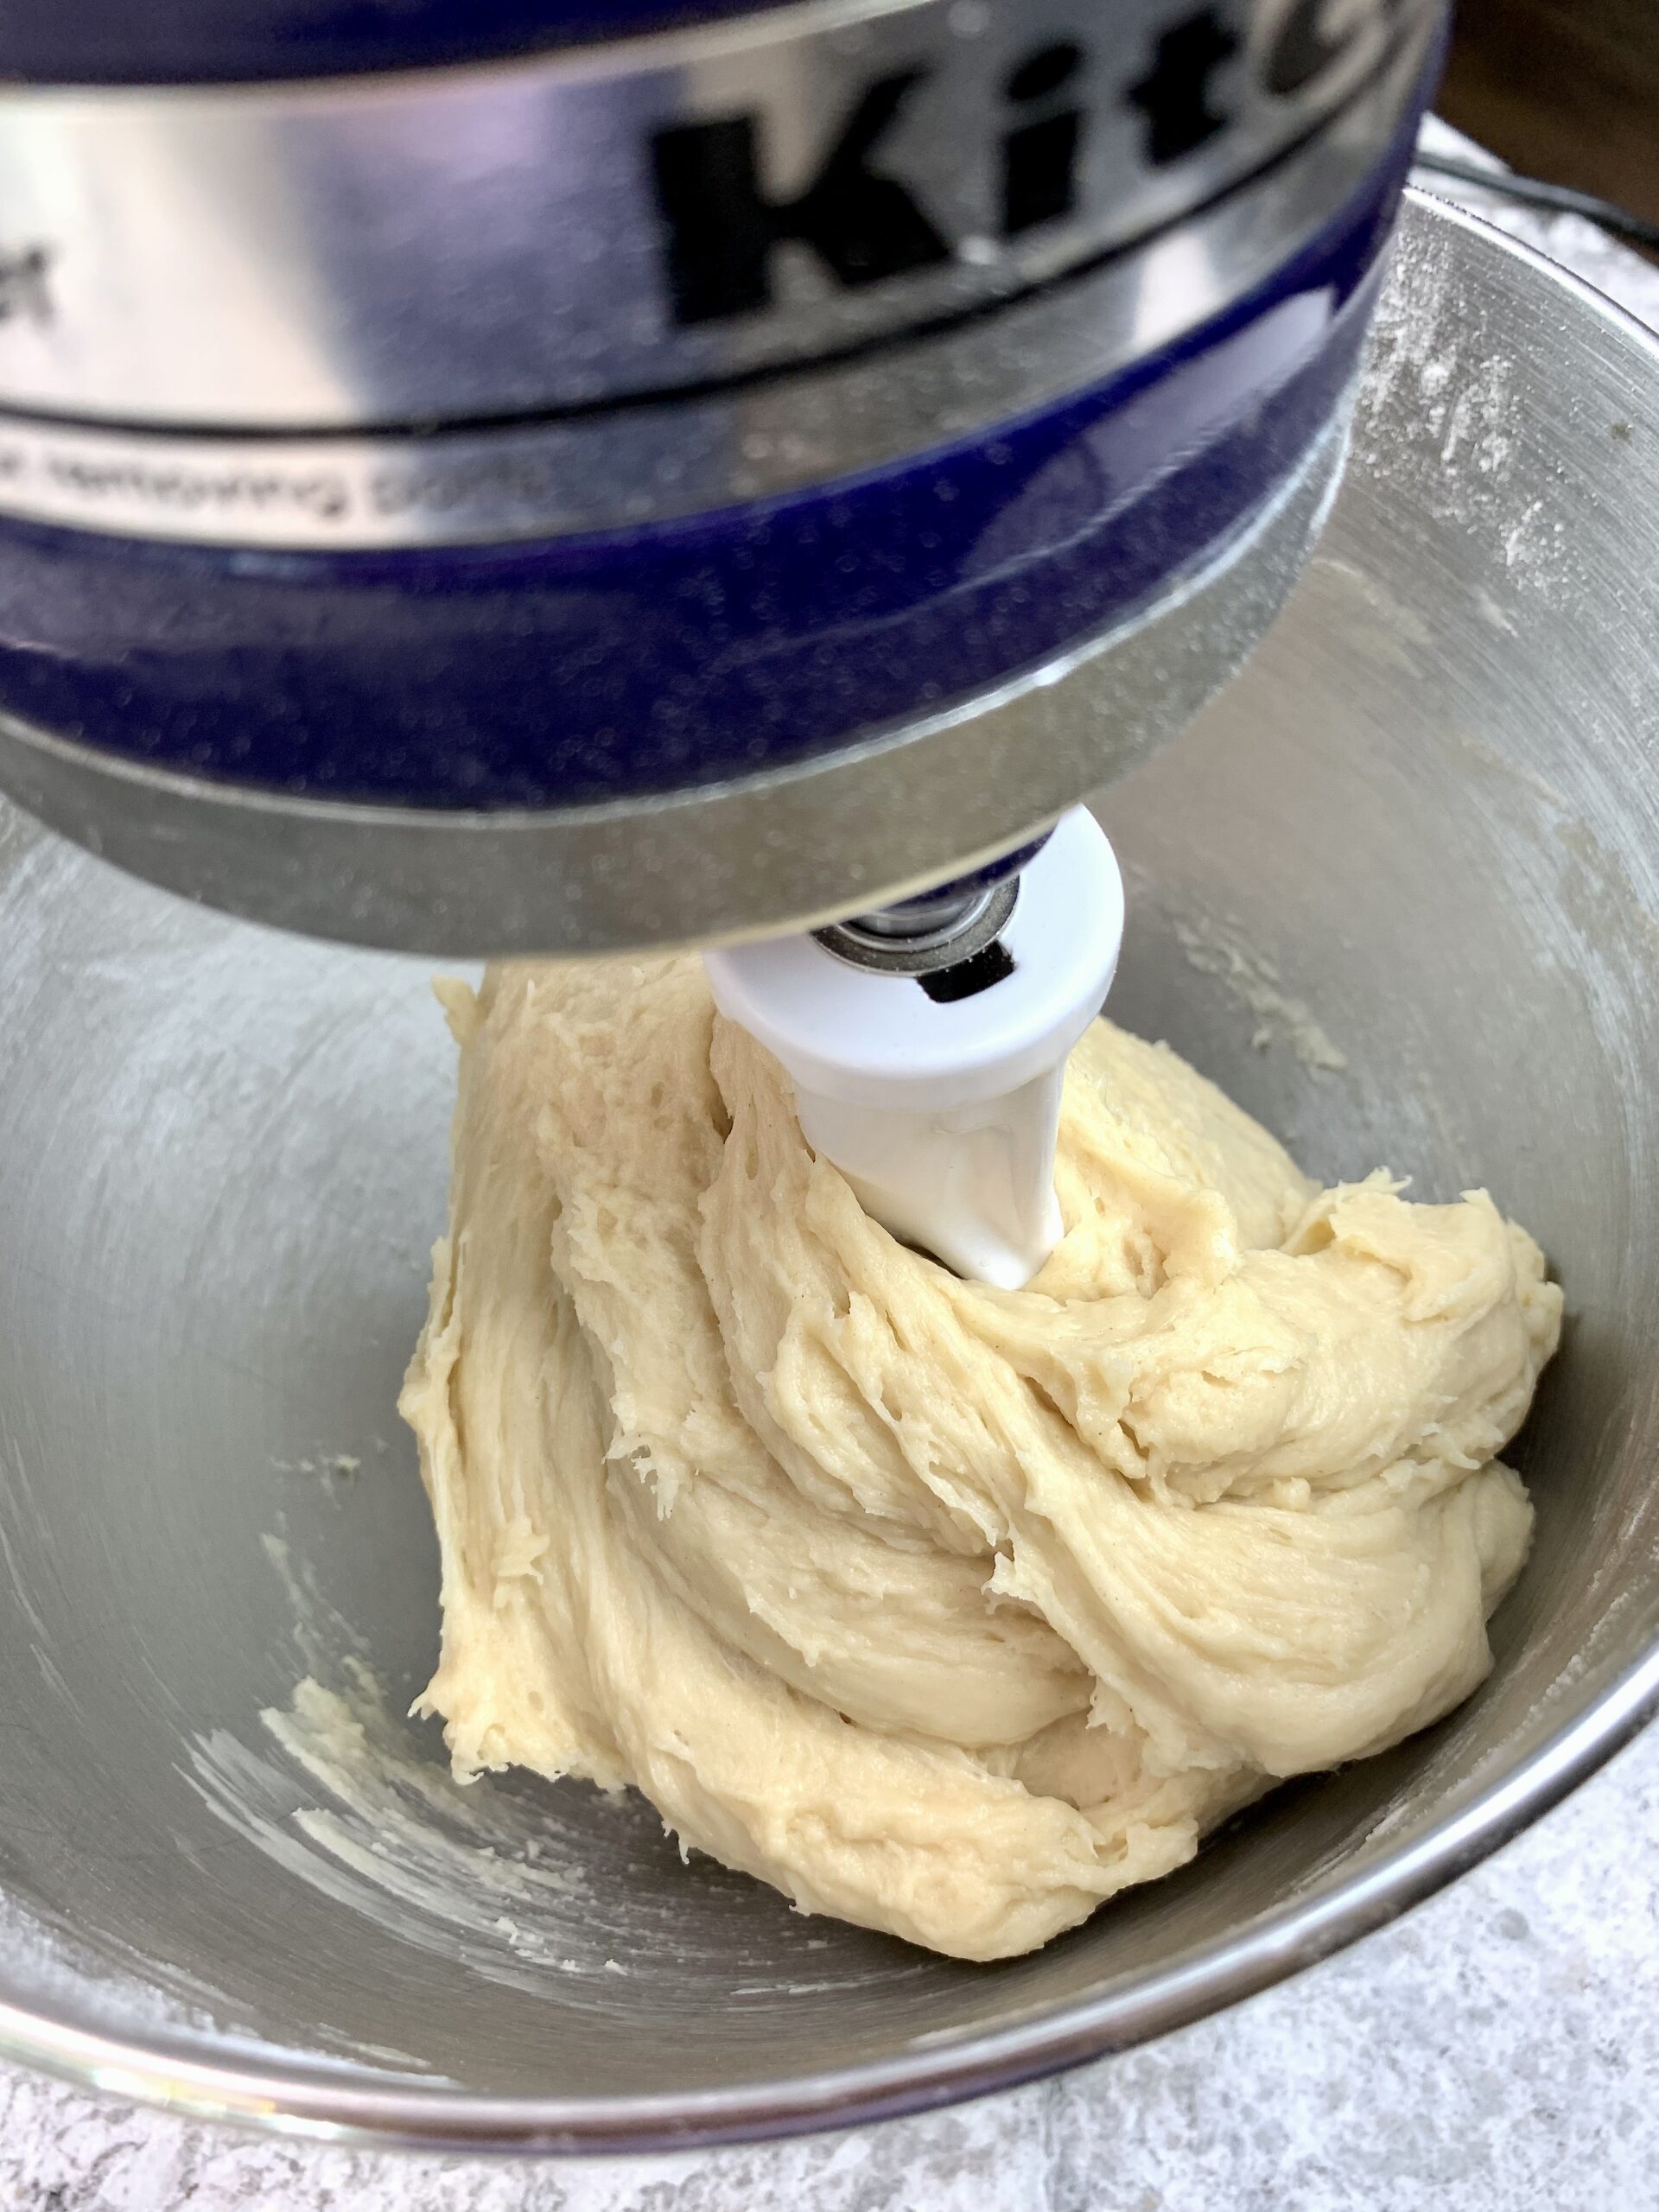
[(194, 41)]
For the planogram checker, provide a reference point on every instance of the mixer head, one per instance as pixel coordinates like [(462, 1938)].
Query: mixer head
[(553, 475)]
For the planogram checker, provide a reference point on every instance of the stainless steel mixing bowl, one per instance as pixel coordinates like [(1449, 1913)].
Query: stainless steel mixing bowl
[(1398, 891)]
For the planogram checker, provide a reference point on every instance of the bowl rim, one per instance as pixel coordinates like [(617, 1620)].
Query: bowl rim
[(309, 2100)]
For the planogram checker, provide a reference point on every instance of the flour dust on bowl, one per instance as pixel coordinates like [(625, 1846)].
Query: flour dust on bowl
[(1397, 891)]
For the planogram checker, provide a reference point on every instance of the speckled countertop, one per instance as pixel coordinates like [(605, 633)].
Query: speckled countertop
[(1496, 2051)]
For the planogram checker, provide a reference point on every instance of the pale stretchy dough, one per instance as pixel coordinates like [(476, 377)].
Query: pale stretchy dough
[(946, 1610)]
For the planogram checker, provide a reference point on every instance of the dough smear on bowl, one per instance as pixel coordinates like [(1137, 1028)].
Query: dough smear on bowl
[(948, 1611)]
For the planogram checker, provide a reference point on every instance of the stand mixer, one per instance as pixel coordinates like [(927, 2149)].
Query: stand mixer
[(560, 477)]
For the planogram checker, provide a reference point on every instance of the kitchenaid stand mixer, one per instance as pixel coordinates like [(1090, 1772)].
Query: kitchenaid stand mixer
[(579, 480)]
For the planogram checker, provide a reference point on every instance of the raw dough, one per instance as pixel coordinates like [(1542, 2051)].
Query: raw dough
[(948, 1611)]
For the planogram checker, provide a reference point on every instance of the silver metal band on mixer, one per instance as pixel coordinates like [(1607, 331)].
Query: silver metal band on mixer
[(328, 314)]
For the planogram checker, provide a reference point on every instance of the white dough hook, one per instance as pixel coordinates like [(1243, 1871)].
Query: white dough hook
[(936, 1091)]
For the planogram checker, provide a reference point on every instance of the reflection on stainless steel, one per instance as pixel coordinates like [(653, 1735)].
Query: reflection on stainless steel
[(1430, 803)]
